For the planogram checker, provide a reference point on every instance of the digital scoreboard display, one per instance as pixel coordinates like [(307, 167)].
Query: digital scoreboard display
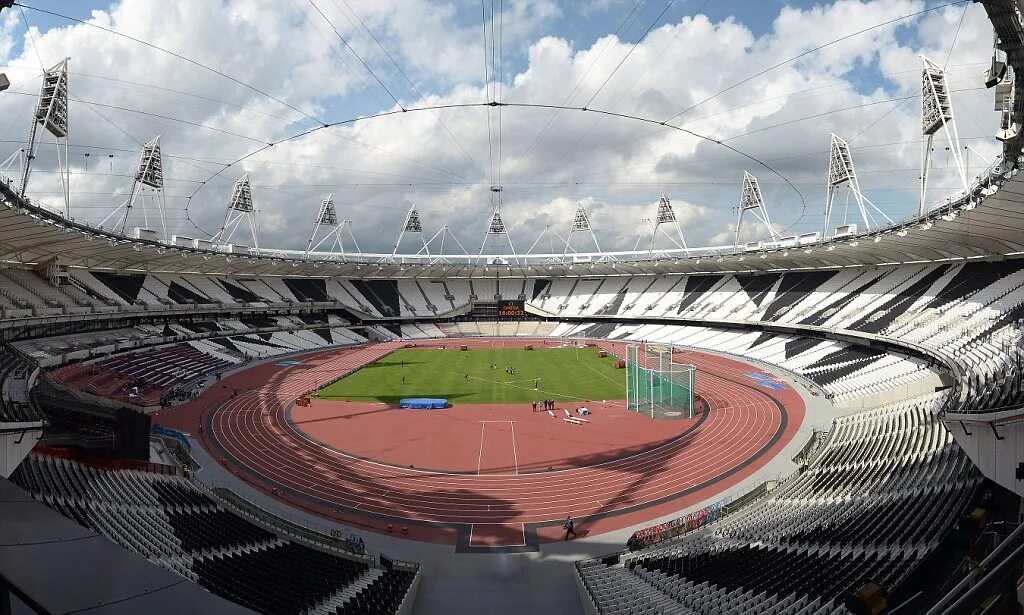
[(512, 308)]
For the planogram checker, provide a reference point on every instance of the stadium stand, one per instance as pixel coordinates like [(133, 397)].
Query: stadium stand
[(947, 308), (920, 340), (91, 423), (15, 371), (143, 377), (823, 524), (880, 495), (171, 522)]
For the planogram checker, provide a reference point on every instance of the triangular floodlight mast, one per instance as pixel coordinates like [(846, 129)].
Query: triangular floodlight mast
[(665, 215), (497, 227), (327, 216), (580, 224), (645, 226), (439, 256), (240, 208), (51, 114), (841, 171), (150, 174), (551, 234), (751, 200), (413, 225), (936, 114), (12, 167)]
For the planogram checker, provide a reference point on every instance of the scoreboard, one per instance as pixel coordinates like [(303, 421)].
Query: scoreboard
[(512, 308)]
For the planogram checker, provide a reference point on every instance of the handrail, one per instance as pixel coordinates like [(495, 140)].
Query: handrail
[(7, 585), (309, 532), (30, 364), (1015, 539)]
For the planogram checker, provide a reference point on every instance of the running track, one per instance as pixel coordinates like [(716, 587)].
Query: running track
[(745, 427)]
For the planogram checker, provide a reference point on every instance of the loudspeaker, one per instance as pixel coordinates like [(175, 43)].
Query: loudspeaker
[(995, 73), (870, 599)]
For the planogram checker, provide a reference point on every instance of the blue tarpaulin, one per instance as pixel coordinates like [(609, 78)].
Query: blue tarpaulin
[(765, 380), (423, 402)]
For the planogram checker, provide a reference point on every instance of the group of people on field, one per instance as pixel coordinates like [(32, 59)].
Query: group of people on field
[(549, 404)]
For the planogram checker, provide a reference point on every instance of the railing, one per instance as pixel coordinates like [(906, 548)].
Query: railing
[(992, 582), (805, 453), (179, 447), (9, 590), (32, 368), (173, 434), (287, 523), (680, 526)]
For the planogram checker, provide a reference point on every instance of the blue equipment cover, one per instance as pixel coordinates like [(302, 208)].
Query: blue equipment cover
[(423, 403)]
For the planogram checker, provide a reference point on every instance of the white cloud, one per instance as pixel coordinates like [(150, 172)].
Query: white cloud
[(7, 38), (377, 168)]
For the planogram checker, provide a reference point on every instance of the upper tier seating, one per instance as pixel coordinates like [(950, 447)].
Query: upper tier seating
[(967, 312), (842, 370)]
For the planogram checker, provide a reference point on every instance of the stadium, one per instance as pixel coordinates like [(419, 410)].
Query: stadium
[(212, 400)]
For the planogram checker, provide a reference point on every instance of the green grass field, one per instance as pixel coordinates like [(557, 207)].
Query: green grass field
[(559, 373)]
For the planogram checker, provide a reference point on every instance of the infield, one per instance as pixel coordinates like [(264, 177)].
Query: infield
[(479, 375), (350, 461)]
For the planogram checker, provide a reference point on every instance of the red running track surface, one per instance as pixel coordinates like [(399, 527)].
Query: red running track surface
[(483, 438), (251, 434)]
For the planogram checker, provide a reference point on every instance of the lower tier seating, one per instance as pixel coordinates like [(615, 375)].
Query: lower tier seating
[(877, 499), (176, 525)]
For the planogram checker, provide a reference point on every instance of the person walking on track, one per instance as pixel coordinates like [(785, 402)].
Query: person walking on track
[(569, 528)]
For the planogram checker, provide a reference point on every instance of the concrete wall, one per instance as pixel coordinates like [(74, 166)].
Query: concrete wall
[(16, 440), (913, 389), (588, 604), (996, 450), (410, 598)]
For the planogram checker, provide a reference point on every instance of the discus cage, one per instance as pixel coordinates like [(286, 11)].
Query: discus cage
[(657, 384)]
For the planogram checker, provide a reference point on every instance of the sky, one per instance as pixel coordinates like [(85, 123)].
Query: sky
[(383, 105)]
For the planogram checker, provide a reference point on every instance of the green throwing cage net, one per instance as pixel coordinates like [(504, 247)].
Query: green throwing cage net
[(658, 385)]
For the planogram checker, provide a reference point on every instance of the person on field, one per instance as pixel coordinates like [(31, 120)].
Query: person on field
[(569, 528), (534, 404)]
